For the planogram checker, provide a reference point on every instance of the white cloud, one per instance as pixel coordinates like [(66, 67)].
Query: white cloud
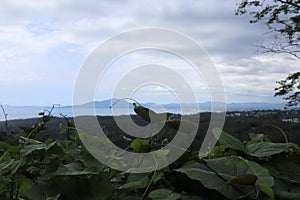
[(44, 43)]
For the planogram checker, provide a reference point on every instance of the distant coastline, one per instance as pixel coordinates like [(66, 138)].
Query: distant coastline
[(102, 108)]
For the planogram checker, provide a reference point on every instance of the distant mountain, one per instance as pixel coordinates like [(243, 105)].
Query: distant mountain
[(106, 104), (203, 106), (120, 103), (103, 108), (102, 104), (254, 106)]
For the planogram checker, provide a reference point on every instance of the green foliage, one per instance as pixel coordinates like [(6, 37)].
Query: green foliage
[(265, 188), (140, 145), (282, 18), (135, 181), (63, 169), (146, 113), (228, 168), (267, 149), (255, 138), (164, 194), (290, 89), (228, 140), (284, 190)]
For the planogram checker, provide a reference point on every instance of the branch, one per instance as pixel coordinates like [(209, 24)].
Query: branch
[(289, 3), (279, 45), (279, 51), (5, 117), (280, 129), (39, 125)]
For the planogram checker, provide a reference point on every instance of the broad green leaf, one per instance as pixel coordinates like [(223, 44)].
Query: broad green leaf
[(267, 149), (283, 190), (143, 112), (228, 140), (217, 151), (26, 184), (255, 138), (40, 191), (90, 162), (157, 176), (73, 169), (131, 185), (69, 169), (135, 181), (140, 145), (164, 194), (27, 149), (265, 189), (94, 139), (228, 168), (30, 141), (10, 166), (285, 170), (5, 156), (4, 145)]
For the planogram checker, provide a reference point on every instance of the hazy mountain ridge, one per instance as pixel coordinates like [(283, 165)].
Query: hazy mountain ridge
[(106, 104), (102, 108), (204, 105)]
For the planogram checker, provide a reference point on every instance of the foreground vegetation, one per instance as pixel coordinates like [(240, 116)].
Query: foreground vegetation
[(33, 168)]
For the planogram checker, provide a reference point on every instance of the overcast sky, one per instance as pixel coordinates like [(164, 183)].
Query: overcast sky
[(43, 45)]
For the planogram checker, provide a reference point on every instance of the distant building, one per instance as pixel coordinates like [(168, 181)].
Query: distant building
[(292, 120)]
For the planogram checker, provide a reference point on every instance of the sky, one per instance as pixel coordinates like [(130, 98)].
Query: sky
[(44, 45)]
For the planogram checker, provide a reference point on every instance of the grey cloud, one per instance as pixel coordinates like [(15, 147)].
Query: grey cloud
[(34, 29)]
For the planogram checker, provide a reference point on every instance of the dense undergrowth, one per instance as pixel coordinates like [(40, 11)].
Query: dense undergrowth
[(63, 169)]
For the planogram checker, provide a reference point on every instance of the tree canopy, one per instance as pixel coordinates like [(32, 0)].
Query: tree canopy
[(282, 17), (290, 87)]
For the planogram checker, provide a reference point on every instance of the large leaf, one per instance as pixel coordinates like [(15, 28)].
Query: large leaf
[(27, 149), (140, 145), (285, 170), (157, 177), (30, 141), (135, 181), (25, 185), (229, 168), (286, 191), (256, 138), (228, 140), (73, 169), (267, 149), (40, 191), (164, 194), (94, 139), (9, 148), (9, 165), (266, 189)]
